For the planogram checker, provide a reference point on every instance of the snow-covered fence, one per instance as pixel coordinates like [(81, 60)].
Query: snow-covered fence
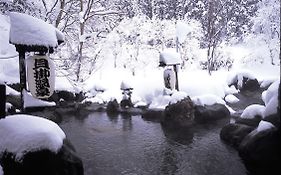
[(2, 101)]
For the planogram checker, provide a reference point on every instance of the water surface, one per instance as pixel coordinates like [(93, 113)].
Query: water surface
[(130, 145)]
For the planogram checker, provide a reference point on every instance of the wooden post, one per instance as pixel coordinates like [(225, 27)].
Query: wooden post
[(22, 75), (2, 101), (177, 81)]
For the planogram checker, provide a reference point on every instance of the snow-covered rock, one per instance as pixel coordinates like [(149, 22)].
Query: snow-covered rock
[(231, 99), (264, 125), (25, 133), (240, 78), (271, 92), (252, 111), (170, 57), (271, 107), (207, 99), (177, 96), (231, 90), (27, 30)]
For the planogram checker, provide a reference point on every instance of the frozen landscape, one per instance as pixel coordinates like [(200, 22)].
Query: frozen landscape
[(142, 81)]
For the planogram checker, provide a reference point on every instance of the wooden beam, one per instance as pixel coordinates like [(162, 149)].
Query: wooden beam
[(2, 101)]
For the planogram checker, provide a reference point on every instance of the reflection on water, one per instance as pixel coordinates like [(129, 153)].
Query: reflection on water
[(121, 144)]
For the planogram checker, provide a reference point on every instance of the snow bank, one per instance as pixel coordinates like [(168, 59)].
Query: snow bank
[(30, 101), (253, 110), (25, 133), (231, 99), (264, 125), (27, 30), (170, 57)]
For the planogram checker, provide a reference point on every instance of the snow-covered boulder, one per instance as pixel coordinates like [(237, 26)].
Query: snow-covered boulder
[(252, 111), (34, 145), (260, 149), (207, 99), (231, 99), (243, 80), (179, 114)]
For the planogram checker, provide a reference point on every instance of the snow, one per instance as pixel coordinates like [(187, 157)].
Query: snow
[(253, 110), (125, 85), (170, 57), (182, 30), (231, 99), (27, 30), (238, 77), (231, 90), (1, 170), (8, 106), (64, 84), (21, 134), (207, 99), (6, 49), (177, 96), (271, 106), (30, 101), (11, 91), (271, 91), (264, 125)]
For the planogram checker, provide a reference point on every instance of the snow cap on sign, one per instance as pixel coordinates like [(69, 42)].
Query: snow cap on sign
[(170, 57)]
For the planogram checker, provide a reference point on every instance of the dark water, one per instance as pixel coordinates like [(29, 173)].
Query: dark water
[(131, 145)]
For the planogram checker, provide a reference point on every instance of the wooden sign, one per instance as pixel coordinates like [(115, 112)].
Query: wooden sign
[(169, 78), (40, 76)]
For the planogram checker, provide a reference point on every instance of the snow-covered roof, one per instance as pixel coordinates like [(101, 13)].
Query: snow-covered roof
[(25, 133), (30, 31), (170, 57)]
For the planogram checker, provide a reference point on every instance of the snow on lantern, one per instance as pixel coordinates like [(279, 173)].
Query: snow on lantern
[(30, 34), (40, 76), (168, 58)]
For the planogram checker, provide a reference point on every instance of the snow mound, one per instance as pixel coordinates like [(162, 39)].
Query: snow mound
[(253, 110), (264, 125), (170, 57), (21, 134), (231, 99), (238, 77), (207, 99), (30, 101), (27, 30)]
